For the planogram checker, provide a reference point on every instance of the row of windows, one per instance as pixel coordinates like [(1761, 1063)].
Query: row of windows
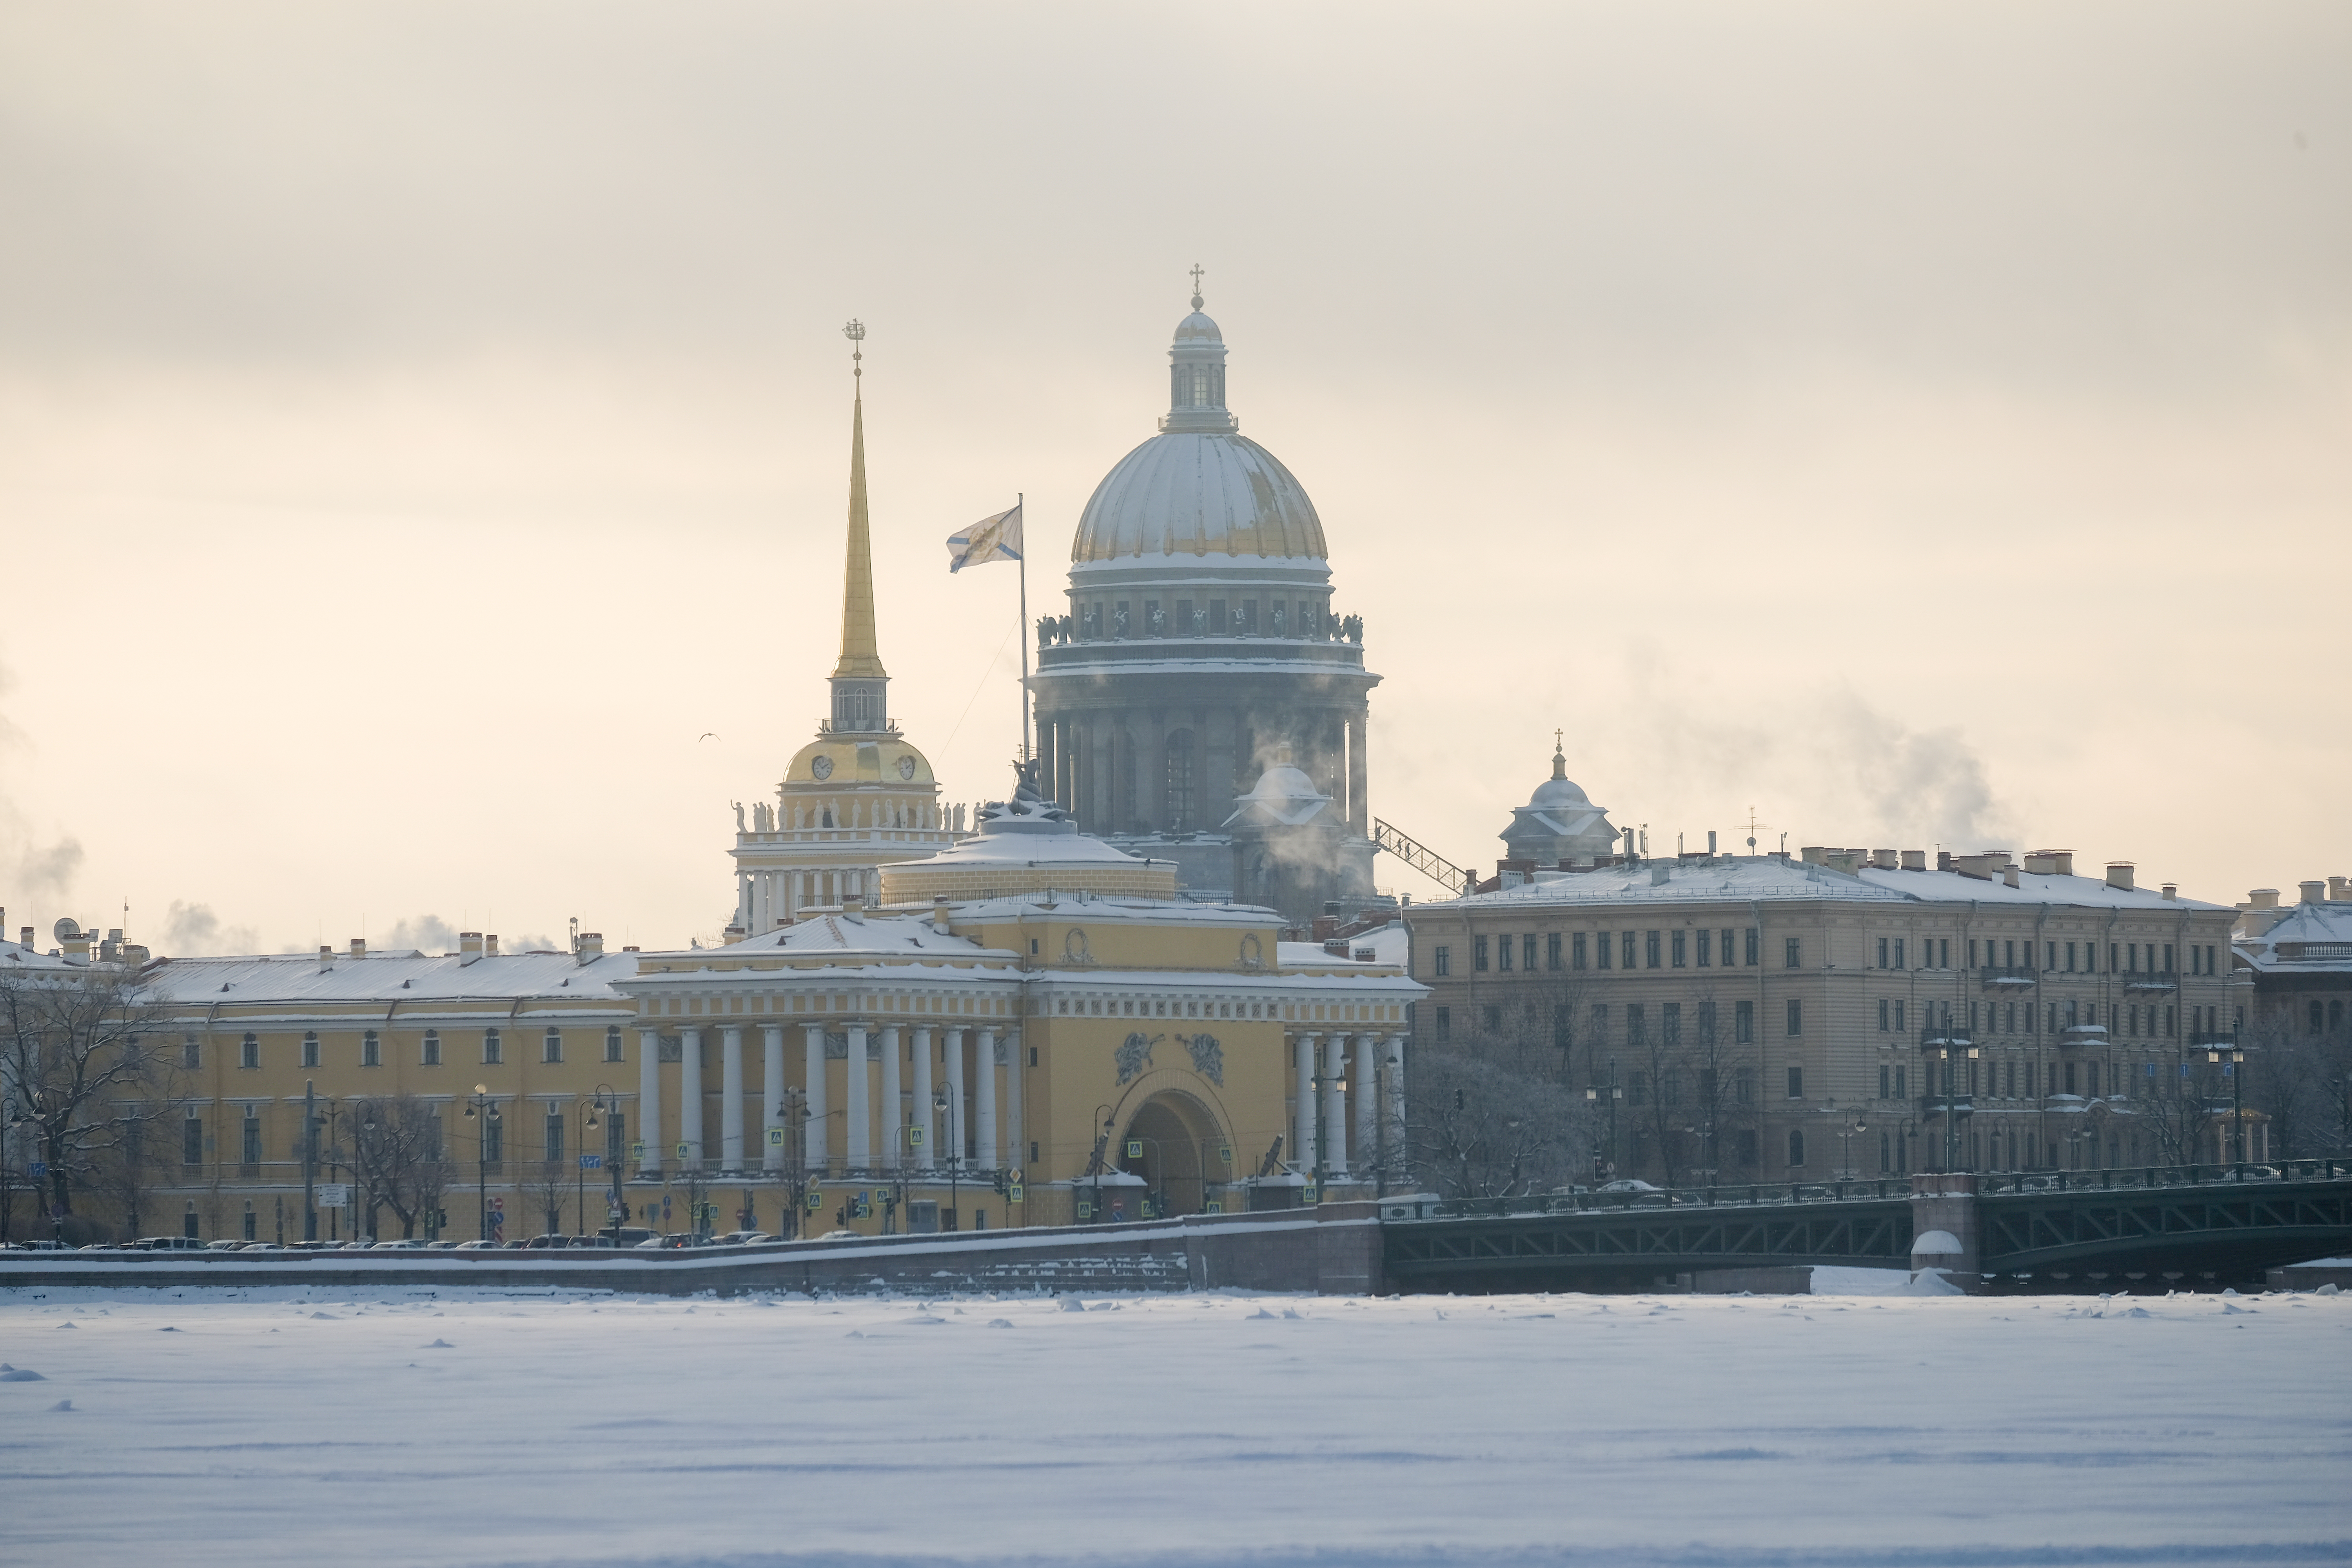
[(1637, 1024), (1669, 1086), (550, 1048), (1649, 950), (491, 1148), (1699, 949), (2131, 1020), (2004, 953), (2019, 1080)]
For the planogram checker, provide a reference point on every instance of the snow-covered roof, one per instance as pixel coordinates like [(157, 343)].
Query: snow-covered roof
[(904, 938), (1096, 910), (2310, 938), (388, 976), (1769, 879)]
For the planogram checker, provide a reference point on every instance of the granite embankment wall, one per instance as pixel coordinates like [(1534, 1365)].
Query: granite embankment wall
[(1333, 1249)]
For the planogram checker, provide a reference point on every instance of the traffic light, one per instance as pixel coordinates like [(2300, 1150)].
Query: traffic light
[(1459, 1100), (1002, 1182)]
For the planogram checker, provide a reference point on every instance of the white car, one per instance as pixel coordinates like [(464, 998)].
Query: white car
[(1628, 1184), (397, 1247)]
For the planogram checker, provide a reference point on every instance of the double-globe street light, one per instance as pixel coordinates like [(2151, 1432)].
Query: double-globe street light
[(481, 1104)]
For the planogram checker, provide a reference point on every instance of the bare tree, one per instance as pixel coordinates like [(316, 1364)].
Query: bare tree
[(2187, 1102), (83, 1075), (1475, 1128), (396, 1153), (545, 1187)]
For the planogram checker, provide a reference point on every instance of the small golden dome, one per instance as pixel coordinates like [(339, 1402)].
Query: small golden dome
[(826, 763)]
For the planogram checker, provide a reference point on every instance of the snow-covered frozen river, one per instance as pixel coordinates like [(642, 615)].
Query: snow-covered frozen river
[(391, 1426)]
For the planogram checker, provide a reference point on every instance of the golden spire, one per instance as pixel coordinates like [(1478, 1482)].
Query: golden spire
[(861, 653)]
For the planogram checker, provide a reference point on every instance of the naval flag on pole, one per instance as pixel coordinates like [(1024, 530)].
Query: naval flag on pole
[(994, 537)]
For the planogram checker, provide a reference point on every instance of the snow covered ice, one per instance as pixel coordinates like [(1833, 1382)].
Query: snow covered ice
[(396, 1426)]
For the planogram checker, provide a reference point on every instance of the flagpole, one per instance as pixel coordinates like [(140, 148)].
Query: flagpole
[(1020, 502)]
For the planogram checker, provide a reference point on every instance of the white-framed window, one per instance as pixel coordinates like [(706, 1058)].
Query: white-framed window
[(432, 1054), (192, 1054), (493, 1050), (613, 1043), (248, 1054), (370, 1050), (551, 1047), (309, 1047)]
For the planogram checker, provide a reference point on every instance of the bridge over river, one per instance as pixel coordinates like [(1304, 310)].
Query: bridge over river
[(2149, 1229)]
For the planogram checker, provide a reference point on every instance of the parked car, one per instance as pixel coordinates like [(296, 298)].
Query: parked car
[(443, 1245), (1628, 1184), (262, 1246), (741, 1238), (226, 1246), (397, 1247), (841, 1236), (537, 1242), (476, 1247), (170, 1244)]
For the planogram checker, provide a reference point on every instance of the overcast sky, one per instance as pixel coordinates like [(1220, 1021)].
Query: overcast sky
[(1926, 425)]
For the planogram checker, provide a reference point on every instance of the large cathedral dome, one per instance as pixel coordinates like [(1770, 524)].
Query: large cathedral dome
[(1185, 494), (1200, 487)]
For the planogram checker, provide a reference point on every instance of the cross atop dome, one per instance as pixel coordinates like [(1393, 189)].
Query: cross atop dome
[(1196, 285)]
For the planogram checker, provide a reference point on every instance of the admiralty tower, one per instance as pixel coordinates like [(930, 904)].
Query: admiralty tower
[(1202, 658)]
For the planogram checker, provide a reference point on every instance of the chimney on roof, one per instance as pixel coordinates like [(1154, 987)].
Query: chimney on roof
[(2262, 899), (359, 947), (1914, 859), (2172, 890), (491, 945), (470, 946), (2119, 876), (1943, 859), (2314, 892), (628, 950), (591, 946), (2008, 875), (326, 950), (25, 937), (939, 911), (2339, 890)]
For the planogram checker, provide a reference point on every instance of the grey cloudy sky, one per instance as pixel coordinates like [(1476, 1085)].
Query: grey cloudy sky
[(419, 423)]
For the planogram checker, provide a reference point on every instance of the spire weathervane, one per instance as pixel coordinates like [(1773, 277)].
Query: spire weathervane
[(1196, 285), (856, 332)]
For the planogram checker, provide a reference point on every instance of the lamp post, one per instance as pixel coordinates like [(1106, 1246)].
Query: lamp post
[(793, 1113), (2230, 1057), (365, 1135), (1847, 1133), (335, 1171), (946, 1110), (1612, 1094), (1102, 1146), (480, 1103)]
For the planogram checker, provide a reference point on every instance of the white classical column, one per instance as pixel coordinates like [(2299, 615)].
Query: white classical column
[(858, 1143), (1335, 1111), (1395, 1085), (924, 1118), (771, 1096), (1363, 1095), (1017, 1131), (894, 1112), (689, 1097), (953, 1127), (1302, 1141), (814, 1041), (730, 1098), (649, 1128), (984, 1062)]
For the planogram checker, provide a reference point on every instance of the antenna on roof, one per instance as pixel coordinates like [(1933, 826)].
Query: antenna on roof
[(1753, 825)]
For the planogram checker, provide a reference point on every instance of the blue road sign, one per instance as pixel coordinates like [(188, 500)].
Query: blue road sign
[(592, 1162), (37, 1169)]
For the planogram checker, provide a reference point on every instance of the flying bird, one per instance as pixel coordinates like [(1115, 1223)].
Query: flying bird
[(705, 735)]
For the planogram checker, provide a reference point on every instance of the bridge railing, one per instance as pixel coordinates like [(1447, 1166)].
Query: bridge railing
[(1723, 1194), (2011, 1182), (1990, 1183)]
